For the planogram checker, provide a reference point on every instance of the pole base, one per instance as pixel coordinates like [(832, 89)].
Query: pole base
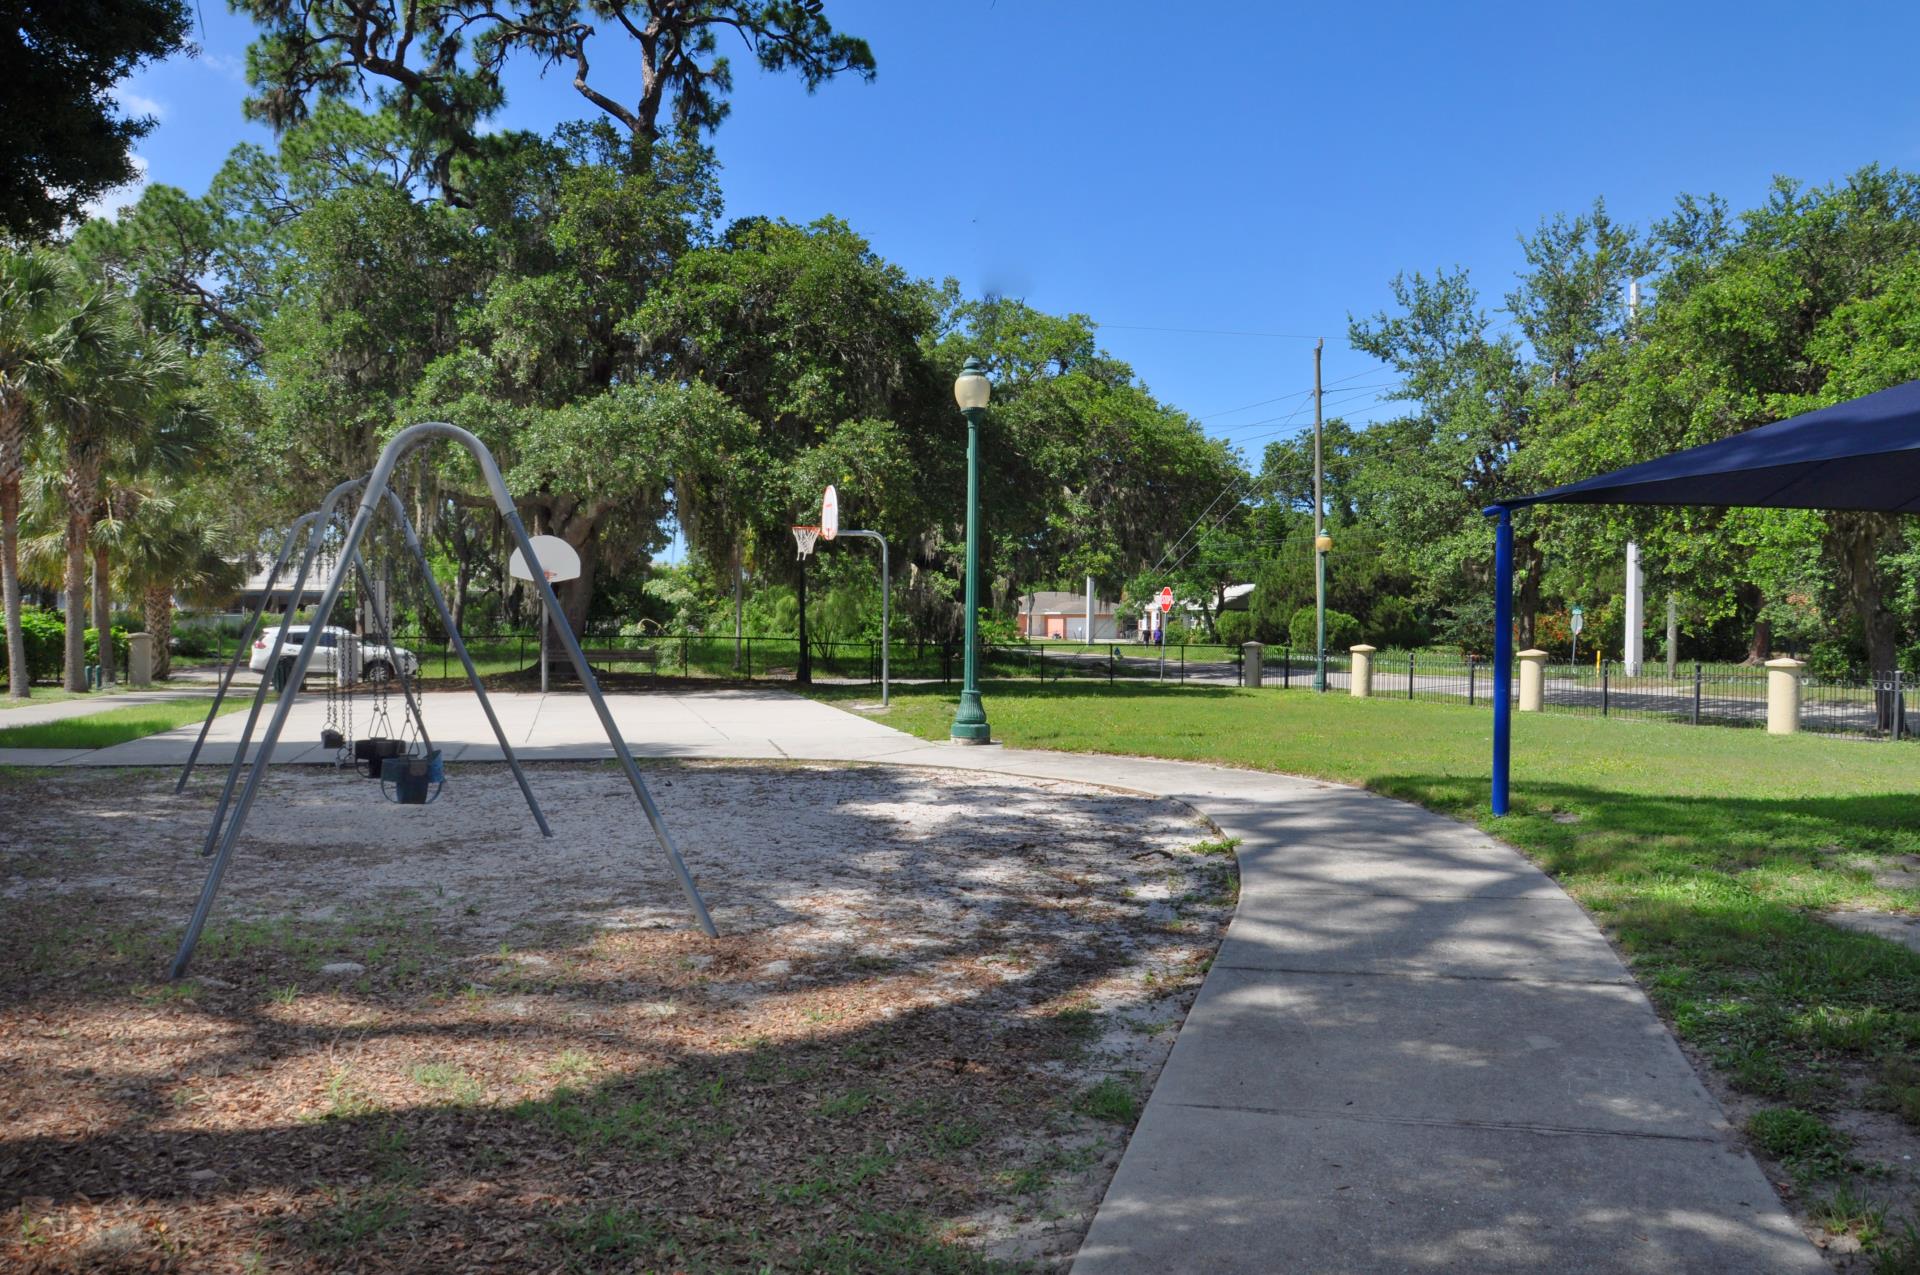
[(970, 723)]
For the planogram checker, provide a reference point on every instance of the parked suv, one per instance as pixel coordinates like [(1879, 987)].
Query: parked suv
[(376, 659)]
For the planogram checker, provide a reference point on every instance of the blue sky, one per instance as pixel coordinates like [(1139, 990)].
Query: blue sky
[(1216, 192)]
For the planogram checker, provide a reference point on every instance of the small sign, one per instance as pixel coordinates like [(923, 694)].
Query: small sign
[(557, 559), (830, 513), (1166, 599), (1579, 619)]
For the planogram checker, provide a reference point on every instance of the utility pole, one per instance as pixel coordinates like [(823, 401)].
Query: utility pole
[(1673, 637), (1636, 586), (1319, 540)]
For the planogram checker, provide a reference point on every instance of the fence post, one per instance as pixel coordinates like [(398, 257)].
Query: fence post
[(1110, 654), (1286, 668), (1783, 696), (1696, 692), (1606, 682), (1409, 674), (1533, 680), (749, 659), (1473, 665), (1250, 663), (1360, 676), (1899, 724)]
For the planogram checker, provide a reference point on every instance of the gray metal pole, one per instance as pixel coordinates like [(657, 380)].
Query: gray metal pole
[(406, 691), (739, 583), (1319, 554), (546, 622), (240, 649), (376, 489), (322, 520), (329, 598), (886, 618), (466, 660)]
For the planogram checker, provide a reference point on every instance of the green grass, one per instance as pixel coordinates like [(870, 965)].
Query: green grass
[(1109, 1099), (113, 725), (1704, 851), (1809, 1147), (42, 695)]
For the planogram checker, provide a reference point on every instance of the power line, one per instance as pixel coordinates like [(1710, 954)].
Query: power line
[(1276, 336), (1349, 396)]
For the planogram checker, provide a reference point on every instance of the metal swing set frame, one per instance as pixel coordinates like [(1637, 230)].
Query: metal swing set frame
[(375, 491)]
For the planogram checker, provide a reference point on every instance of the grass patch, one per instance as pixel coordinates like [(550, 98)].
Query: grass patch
[(1810, 1148), (894, 1244), (1110, 1099), (114, 725), (352, 1219), (606, 1238), (448, 1083), (1705, 851)]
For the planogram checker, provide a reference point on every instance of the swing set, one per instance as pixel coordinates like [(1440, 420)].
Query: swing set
[(410, 769)]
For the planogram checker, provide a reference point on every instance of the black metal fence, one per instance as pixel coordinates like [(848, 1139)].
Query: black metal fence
[(1699, 694), (702, 655)]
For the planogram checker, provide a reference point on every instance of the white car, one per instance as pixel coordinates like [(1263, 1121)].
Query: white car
[(376, 660)]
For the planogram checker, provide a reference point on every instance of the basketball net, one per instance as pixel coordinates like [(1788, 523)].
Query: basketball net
[(803, 540)]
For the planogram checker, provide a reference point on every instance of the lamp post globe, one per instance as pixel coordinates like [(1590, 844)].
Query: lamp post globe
[(972, 390)]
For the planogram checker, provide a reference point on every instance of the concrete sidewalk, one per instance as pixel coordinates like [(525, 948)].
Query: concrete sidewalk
[(33, 714), (1413, 1053)]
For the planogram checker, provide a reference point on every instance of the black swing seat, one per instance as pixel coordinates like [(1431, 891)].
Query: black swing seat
[(370, 755)]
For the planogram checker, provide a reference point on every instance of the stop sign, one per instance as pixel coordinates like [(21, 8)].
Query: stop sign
[(1166, 599)]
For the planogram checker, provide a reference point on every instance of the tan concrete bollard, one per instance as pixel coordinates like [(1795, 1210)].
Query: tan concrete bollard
[(140, 659), (1361, 681), (1783, 696), (1533, 680), (1250, 663)]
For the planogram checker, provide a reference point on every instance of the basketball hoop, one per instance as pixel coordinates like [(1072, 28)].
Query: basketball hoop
[(804, 538)]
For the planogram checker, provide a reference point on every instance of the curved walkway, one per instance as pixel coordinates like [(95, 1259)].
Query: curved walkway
[(1413, 1052)]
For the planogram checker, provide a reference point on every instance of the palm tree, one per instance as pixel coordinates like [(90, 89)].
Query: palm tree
[(34, 286), (123, 393), (165, 545)]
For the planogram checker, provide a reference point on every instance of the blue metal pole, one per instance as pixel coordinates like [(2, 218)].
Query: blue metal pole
[(1502, 654)]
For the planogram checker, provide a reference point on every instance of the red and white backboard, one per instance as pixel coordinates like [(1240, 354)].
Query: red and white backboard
[(830, 513)]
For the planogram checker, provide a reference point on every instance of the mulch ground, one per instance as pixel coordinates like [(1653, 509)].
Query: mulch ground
[(445, 1044)]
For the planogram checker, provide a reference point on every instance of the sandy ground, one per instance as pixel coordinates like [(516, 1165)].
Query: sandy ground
[(427, 1038)]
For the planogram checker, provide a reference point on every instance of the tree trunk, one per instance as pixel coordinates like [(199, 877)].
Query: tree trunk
[(17, 675), (158, 607), (103, 615), (1526, 607), (803, 665), (1854, 541), (577, 594), (1760, 648), (739, 587), (462, 569), (75, 676)]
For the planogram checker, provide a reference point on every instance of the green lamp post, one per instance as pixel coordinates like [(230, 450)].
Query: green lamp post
[(971, 391)]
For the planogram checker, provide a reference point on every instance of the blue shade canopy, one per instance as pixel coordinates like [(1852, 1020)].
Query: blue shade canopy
[(1862, 454)]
